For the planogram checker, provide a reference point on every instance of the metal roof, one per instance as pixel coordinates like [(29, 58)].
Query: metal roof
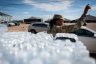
[(90, 17), (3, 14)]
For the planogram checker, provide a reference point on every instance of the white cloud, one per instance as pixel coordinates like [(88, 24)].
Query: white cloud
[(71, 16), (26, 12), (93, 8), (46, 17), (51, 6)]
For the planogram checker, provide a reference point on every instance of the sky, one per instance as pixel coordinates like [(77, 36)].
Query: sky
[(23, 9)]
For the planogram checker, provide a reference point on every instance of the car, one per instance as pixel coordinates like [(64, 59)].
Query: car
[(11, 24), (86, 32), (4, 22), (38, 27), (17, 23), (88, 37)]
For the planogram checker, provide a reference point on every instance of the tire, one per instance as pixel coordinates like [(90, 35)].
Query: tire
[(9, 25), (33, 31)]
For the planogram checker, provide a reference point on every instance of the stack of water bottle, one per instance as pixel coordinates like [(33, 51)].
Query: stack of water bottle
[(41, 48)]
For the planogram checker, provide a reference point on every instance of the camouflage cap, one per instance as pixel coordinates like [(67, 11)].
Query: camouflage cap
[(57, 16)]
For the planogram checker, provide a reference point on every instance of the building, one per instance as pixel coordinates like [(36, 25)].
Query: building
[(90, 18), (32, 20), (5, 17)]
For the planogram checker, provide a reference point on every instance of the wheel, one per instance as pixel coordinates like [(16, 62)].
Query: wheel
[(33, 31), (9, 25)]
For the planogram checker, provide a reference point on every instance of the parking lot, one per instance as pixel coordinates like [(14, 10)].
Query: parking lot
[(21, 27)]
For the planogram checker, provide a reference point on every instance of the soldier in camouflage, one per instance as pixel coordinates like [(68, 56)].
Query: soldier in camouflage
[(57, 26)]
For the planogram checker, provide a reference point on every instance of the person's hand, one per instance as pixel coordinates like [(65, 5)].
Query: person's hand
[(87, 6)]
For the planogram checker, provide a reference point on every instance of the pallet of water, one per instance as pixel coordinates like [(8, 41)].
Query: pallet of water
[(41, 48)]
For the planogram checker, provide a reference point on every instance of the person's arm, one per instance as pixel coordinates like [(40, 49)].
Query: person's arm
[(87, 7)]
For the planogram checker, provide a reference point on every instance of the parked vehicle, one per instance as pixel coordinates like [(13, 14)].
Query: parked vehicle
[(86, 32), (38, 27), (11, 24), (4, 22), (88, 37), (16, 23)]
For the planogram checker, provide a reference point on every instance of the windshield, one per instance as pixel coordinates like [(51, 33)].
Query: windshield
[(40, 25), (84, 32)]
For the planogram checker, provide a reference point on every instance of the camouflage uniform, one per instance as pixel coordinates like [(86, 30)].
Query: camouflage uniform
[(58, 27)]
